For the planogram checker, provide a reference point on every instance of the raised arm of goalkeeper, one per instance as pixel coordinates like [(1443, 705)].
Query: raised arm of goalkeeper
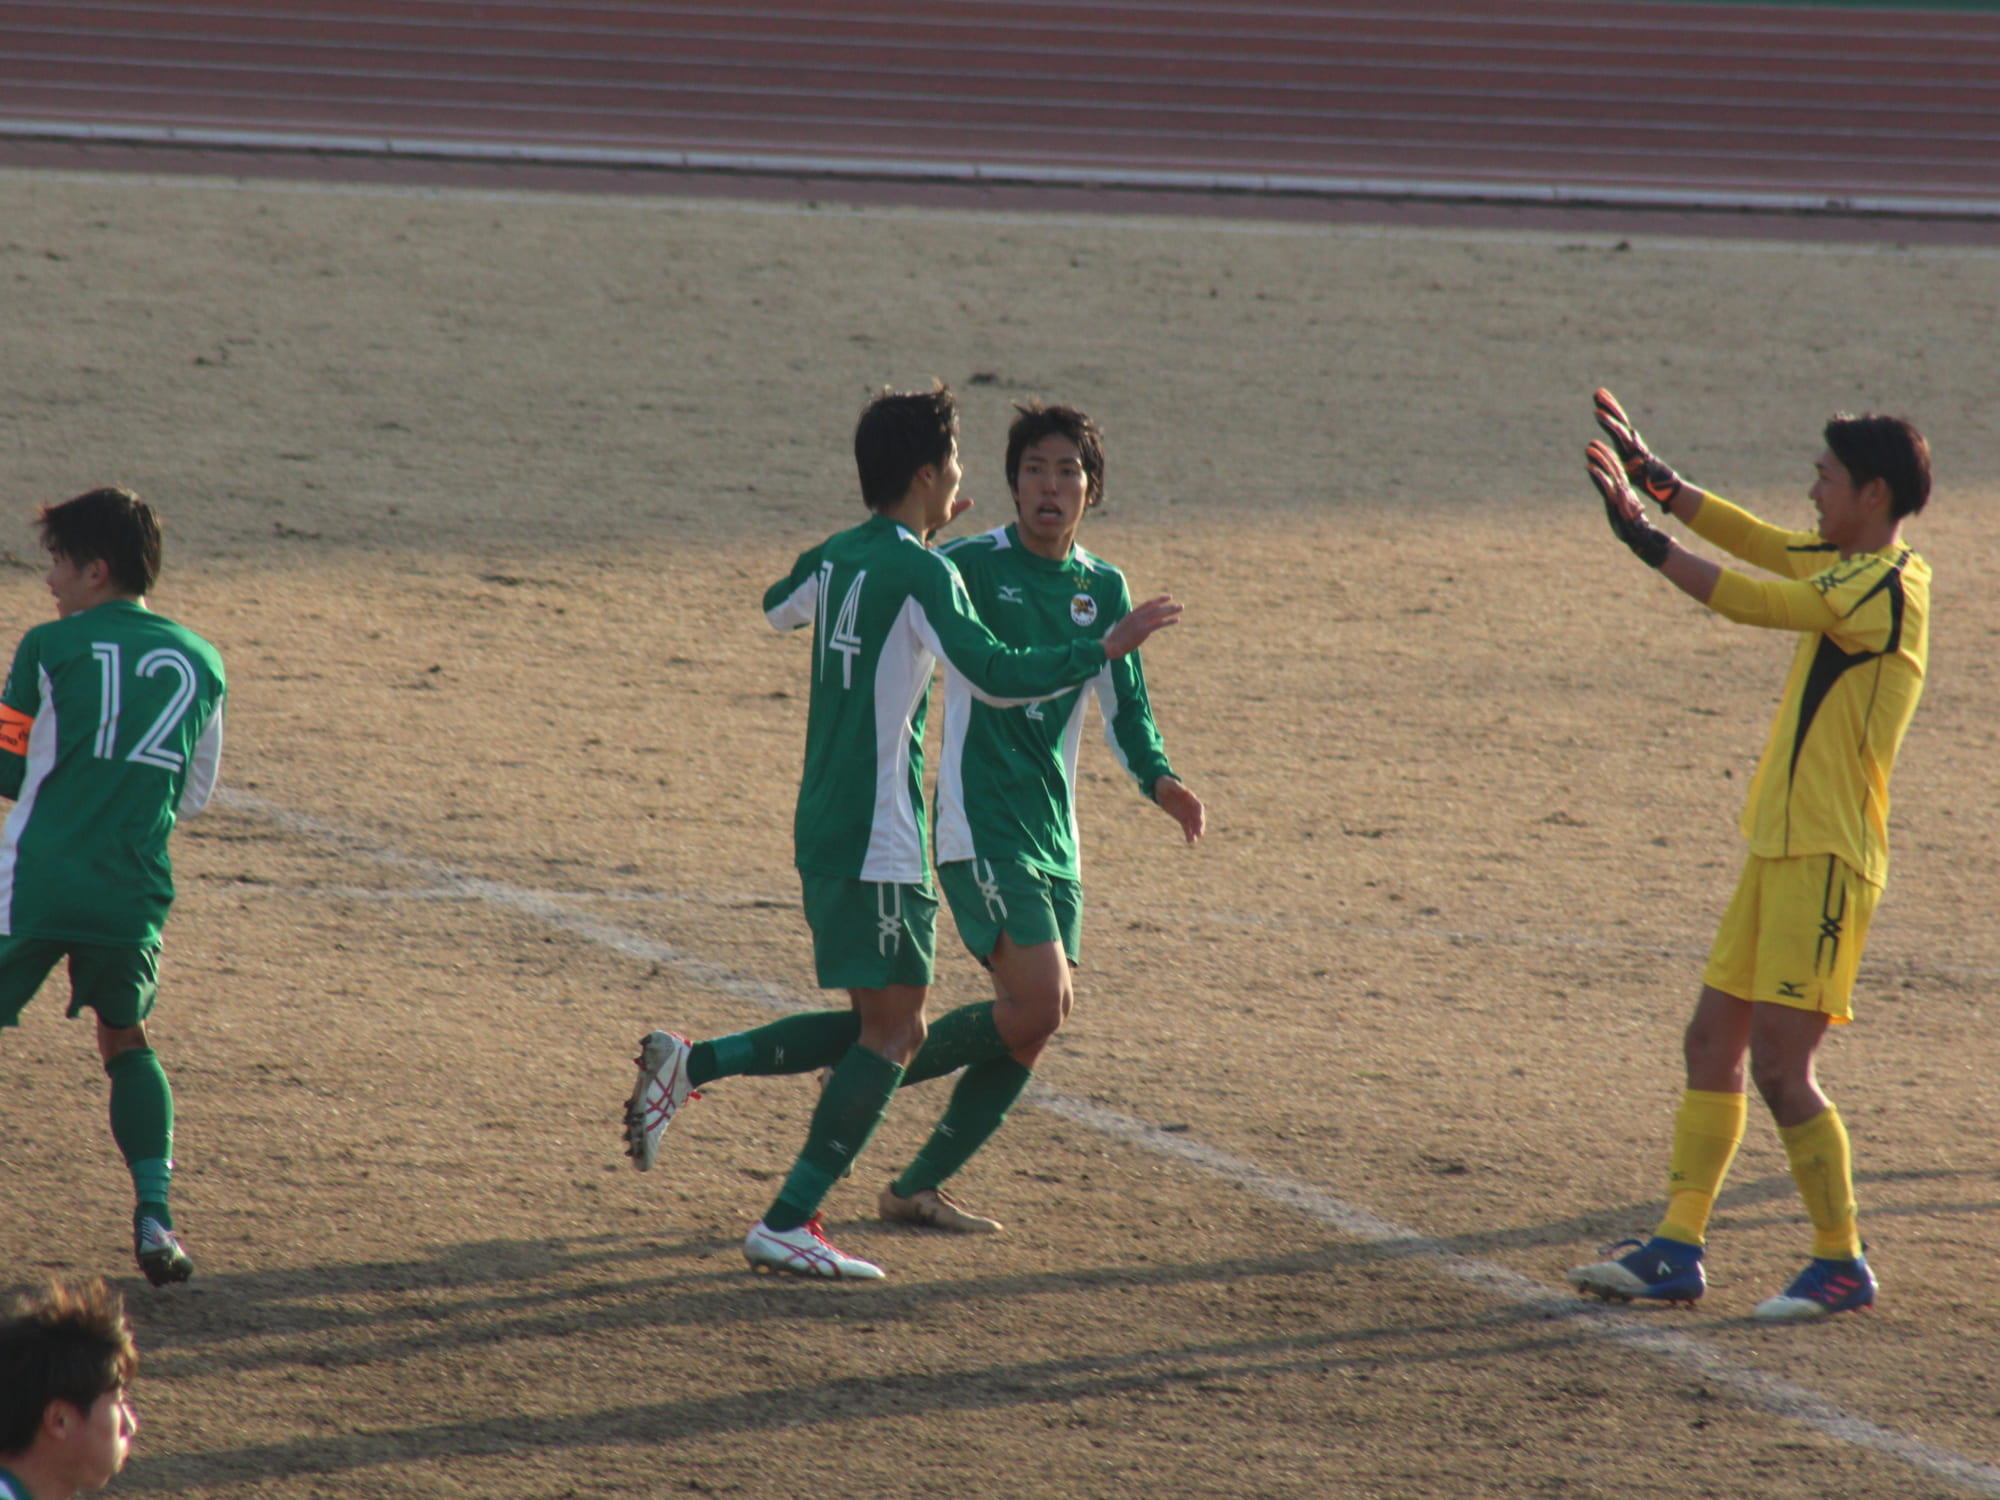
[(1828, 572)]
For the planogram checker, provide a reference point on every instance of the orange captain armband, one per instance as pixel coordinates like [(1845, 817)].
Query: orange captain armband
[(14, 727)]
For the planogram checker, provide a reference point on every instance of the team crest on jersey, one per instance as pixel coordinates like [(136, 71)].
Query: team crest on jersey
[(1083, 609)]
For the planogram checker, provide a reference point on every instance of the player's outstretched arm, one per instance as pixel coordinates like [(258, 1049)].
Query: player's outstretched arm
[(1130, 633), (1642, 467), (1182, 805), (1694, 576)]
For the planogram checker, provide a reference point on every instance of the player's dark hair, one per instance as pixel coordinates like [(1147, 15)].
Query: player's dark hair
[(1036, 422), (898, 434), (67, 1342), (1884, 448), (111, 526)]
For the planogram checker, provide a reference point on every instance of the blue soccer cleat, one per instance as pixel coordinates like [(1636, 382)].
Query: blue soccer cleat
[(1659, 1270), (1823, 1288)]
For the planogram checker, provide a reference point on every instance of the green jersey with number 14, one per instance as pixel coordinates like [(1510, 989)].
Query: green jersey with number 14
[(1007, 785), (110, 730), (884, 608)]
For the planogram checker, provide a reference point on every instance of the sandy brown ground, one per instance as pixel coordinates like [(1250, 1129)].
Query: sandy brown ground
[(478, 493)]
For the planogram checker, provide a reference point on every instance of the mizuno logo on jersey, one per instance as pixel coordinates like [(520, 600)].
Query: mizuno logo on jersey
[(1010, 593), (989, 890), (888, 919)]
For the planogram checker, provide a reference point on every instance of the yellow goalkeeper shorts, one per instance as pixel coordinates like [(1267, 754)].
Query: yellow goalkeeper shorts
[(1793, 934)]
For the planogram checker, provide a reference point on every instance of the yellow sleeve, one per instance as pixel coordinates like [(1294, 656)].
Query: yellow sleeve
[(1857, 601), (1762, 545), (1792, 604)]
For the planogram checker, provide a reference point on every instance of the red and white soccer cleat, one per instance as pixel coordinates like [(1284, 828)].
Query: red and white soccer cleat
[(805, 1251), (658, 1095)]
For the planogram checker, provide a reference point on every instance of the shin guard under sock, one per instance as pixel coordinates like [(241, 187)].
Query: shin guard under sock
[(957, 1039), (850, 1108), (1823, 1167), (142, 1123), (796, 1044), (1707, 1130), (979, 1104)]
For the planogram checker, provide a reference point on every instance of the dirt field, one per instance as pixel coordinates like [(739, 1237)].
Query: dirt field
[(477, 494)]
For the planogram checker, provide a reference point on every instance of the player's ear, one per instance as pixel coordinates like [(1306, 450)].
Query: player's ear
[(1875, 494)]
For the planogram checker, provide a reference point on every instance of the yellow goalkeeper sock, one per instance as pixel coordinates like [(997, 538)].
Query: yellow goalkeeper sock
[(1707, 1130), (1823, 1167)]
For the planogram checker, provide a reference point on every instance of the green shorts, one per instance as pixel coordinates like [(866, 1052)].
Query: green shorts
[(870, 933), (992, 896), (119, 983)]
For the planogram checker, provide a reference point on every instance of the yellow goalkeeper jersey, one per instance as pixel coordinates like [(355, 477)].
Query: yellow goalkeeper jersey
[(1822, 786)]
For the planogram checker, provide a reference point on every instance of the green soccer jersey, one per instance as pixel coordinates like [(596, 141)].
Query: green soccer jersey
[(884, 609), (110, 730), (1007, 785)]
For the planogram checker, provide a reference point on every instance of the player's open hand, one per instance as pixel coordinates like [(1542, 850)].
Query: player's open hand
[(1623, 508), (1182, 805), (1640, 466), (1130, 633)]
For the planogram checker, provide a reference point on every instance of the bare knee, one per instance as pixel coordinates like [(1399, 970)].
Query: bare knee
[(892, 1020), (1787, 1086), (1783, 1045), (112, 1040), (1032, 996), (1028, 1017), (1712, 1064), (1715, 1042)]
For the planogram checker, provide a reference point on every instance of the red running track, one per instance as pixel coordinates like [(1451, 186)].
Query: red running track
[(1542, 101)]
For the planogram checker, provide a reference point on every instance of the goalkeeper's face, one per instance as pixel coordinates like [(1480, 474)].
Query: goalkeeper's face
[(1847, 511)]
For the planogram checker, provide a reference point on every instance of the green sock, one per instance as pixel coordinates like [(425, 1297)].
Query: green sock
[(796, 1044), (850, 1107), (142, 1123), (978, 1106), (960, 1038)]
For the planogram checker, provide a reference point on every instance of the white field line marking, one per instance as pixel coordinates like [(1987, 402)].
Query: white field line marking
[(721, 902), (1871, 202), (1767, 1392), (1018, 218), (1889, 965), (1780, 1397)]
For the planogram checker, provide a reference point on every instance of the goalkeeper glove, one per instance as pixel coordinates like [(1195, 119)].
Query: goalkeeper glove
[(1622, 508), (1641, 467)]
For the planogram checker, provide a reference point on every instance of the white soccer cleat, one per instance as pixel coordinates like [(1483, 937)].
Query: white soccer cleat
[(658, 1095), (159, 1251), (805, 1252)]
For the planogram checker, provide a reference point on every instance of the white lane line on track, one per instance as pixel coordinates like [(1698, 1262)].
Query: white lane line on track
[(1689, 1352), (1006, 174), (1115, 15)]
